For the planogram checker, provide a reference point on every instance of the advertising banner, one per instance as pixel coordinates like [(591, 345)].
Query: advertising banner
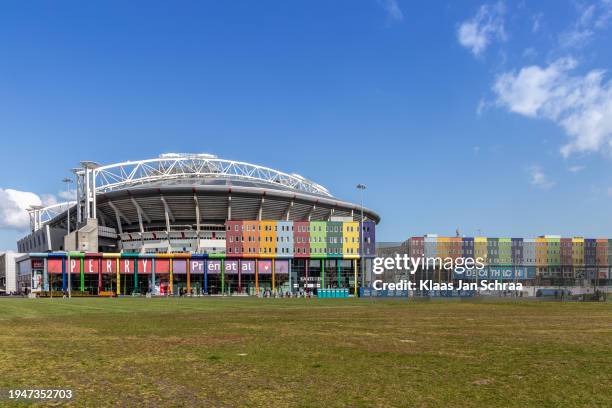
[(126, 266), (75, 265), (247, 267), (196, 266), (179, 266), (37, 281), (145, 266), (54, 265), (281, 267), (162, 266), (265, 268), (231, 266), (214, 266), (109, 266), (38, 263), (91, 265)]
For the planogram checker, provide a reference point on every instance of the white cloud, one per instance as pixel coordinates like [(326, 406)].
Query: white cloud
[(580, 104), (535, 27), (393, 10), (67, 195), (13, 206), (592, 17), (530, 53), (575, 169), (478, 32), (538, 178), (482, 105)]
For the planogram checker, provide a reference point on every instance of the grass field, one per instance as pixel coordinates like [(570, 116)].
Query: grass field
[(308, 352)]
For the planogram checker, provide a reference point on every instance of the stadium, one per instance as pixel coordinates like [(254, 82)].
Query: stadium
[(197, 224)]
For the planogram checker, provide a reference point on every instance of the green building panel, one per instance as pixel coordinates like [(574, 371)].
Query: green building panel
[(505, 251), (553, 251), (318, 239), (334, 239)]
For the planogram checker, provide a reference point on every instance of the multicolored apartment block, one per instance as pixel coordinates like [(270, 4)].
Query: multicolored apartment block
[(544, 257)]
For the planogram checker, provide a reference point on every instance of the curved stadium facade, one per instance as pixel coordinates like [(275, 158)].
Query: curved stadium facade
[(199, 224)]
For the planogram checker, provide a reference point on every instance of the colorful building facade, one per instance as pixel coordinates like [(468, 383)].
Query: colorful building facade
[(546, 257), (259, 256)]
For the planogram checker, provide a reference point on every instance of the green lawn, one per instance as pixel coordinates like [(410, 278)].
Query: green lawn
[(308, 352)]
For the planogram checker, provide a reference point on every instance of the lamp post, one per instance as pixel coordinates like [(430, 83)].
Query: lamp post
[(68, 182), (361, 188)]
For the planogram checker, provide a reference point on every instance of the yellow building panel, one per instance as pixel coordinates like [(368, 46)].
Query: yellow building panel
[(350, 239), (267, 239)]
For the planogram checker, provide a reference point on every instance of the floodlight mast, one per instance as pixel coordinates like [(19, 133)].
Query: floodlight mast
[(361, 188)]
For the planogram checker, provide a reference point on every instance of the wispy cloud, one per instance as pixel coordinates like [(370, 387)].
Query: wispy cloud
[(536, 20), (67, 195), (538, 179), (592, 17), (393, 10), (580, 104), (575, 169), (482, 106), (478, 32)]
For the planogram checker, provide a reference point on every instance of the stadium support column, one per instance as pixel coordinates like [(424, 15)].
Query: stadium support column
[(136, 288), (229, 206), (287, 214), (338, 266), (273, 276), (99, 276), (188, 276), (168, 215), (206, 276), (261, 204), (118, 276), (306, 265), (323, 273), (82, 275), (197, 211), (223, 276), (289, 270), (64, 283), (239, 276), (355, 269), (257, 277), (45, 276), (153, 276), (118, 216), (170, 283)]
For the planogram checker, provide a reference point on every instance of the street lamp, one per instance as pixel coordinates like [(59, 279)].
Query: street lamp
[(68, 182), (361, 188)]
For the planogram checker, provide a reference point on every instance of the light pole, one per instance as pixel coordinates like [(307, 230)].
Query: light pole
[(68, 182), (361, 188)]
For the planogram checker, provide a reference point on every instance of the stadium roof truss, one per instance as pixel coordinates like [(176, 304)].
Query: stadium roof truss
[(187, 167), (40, 215)]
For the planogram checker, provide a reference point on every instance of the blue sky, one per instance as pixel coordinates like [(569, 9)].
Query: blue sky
[(479, 116)]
